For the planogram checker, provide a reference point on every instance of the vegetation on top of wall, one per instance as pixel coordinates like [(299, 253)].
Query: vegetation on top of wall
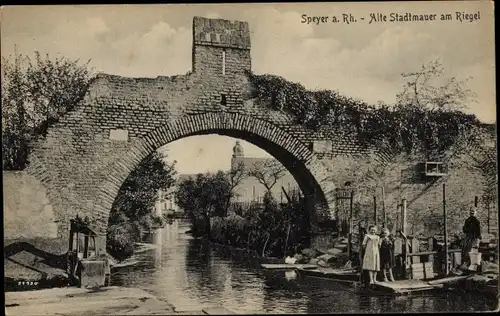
[(426, 118)]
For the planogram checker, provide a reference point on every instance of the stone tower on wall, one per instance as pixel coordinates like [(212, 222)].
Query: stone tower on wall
[(220, 47)]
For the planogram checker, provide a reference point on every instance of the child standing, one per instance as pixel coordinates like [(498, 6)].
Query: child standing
[(371, 254), (386, 255)]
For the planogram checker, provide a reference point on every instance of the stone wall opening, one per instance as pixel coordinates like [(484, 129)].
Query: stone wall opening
[(311, 190)]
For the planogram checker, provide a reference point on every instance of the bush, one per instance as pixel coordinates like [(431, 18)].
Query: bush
[(124, 232), (198, 226), (263, 227), (121, 240), (156, 221)]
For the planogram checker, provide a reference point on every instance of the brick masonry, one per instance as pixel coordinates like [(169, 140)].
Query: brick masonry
[(88, 154), (82, 167)]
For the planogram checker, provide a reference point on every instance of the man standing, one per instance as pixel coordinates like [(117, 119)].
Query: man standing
[(472, 231)]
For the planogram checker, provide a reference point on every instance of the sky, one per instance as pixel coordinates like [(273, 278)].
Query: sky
[(360, 60)]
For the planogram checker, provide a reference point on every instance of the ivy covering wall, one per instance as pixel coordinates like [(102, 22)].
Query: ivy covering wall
[(414, 129), (403, 127)]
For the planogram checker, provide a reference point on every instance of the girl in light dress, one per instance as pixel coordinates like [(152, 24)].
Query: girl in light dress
[(371, 253)]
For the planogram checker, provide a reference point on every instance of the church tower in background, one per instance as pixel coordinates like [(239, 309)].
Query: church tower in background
[(237, 150), (237, 154)]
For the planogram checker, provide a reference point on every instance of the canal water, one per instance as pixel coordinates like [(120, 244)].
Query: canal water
[(192, 274)]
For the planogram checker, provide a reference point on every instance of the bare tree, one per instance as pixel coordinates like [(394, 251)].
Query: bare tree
[(235, 176), (267, 172), (428, 88)]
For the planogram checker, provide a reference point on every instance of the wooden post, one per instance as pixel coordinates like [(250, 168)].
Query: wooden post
[(286, 242), (77, 243), (337, 210), (344, 216), (86, 246), (404, 255), (397, 225), (489, 219), (360, 251), (445, 232), (71, 239), (375, 210), (404, 228), (384, 223), (430, 247), (349, 244)]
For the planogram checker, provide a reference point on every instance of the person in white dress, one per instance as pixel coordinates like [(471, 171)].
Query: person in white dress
[(371, 253)]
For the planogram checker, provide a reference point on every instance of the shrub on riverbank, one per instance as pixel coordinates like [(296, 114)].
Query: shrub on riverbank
[(123, 233), (121, 241), (264, 228)]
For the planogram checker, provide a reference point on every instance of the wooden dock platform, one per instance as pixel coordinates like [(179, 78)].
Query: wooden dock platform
[(287, 266), (402, 287)]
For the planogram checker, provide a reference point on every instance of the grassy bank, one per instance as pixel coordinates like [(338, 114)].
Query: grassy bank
[(267, 230)]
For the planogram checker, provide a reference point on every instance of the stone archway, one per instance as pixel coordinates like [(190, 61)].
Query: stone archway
[(308, 171)]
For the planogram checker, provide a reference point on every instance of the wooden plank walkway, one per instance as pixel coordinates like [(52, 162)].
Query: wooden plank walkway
[(286, 266)]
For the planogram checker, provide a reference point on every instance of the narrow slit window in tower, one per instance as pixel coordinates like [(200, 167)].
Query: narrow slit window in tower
[(223, 100), (224, 62)]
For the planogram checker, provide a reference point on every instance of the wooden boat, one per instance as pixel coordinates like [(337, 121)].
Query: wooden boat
[(287, 266), (328, 273), (469, 284)]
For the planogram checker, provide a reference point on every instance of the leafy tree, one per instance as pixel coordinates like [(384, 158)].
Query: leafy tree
[(35, 94), (139, 192), (204, 197), (131, 213)]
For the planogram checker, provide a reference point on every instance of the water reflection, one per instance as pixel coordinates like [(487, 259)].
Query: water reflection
[(192, 274), (158, 242)]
